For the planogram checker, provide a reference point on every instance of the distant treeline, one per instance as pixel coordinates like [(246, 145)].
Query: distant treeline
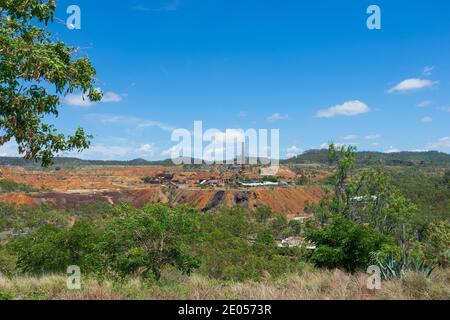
[(430, 158), (63, 162), (364, 158)]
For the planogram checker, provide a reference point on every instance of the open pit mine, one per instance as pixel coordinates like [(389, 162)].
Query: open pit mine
[(204, 189)]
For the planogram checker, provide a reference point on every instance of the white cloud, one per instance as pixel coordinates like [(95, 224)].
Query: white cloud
[(151, 124), (122, 150), (428, 71), (445, 109), (350, 137), (375, 144), (243, 114), (424, 104), (427, 119), (349, 108), (77, 100), (101, 151), (146, 150), (293, 151), (128, 120), (411, 85), (82, 101), (112, 119), (171, 6), (373, 136), (440, 144), (112, 97), (392, 149), (172, 150), (9, 149), (336, 144), (276, 117)]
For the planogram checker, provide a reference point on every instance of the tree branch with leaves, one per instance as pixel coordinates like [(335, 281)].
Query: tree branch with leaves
[(36, 71)]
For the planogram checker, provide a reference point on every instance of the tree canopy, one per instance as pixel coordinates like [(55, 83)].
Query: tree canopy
[(36, 71)]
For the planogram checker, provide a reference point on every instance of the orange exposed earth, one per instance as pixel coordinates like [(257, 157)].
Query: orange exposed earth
[(124, 184)]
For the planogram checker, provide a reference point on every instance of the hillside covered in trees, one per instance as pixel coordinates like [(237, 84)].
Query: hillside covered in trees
[(364, 158)]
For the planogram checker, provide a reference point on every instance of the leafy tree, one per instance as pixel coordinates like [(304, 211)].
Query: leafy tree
[(270, 179), (344, 157), (263, 214), (52, 250), (446, 179), (28, 219), (279, 224), (235, 246), (375, 200), (35, 72), (12, 186), (365, 197), (437, 243), (143, 241), (303, 180), (7, 261), (345, 244)]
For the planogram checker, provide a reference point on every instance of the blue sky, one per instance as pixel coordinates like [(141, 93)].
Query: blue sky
[(309, 68)]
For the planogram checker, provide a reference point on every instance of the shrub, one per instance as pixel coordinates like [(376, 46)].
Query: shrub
[(303, 180), (28, 219), (143, 241), (52, 250), (345, 244), (437, 243), (7, 262), (270, 179), (12, 186), (394, 266), (237, 247)]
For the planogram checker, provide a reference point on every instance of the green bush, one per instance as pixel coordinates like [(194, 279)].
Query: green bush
[(239, 245), (397, 266), (28, 219), (144, 241), (7, 262), (52, 250), (303, 180), (12, 186), (270, 179), (345, 244), (437, 243)]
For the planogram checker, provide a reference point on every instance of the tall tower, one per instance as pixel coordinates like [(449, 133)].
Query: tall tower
[(243, 154)]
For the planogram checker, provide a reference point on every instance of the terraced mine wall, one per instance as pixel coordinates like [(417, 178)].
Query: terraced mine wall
[(289, 201)]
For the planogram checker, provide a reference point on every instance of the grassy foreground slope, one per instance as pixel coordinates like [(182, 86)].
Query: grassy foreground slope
[(310, 284)]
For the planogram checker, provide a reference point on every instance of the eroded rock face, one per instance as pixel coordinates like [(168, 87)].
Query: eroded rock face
[(63, 200), (241, 198), (289, 201), (215, 202)]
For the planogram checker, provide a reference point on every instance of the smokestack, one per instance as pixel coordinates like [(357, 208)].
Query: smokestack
[(243, 154)]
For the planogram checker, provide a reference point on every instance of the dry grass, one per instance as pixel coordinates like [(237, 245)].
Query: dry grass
[(311, 284)]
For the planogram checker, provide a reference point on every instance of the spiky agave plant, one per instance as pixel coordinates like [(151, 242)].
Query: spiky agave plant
[(394, 267)]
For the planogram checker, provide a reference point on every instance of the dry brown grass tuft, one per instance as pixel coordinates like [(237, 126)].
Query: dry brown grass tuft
[(310, 284)]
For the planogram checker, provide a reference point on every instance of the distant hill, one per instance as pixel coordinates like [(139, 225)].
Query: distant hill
[(430, 158), (364, 158), (64, 162)]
